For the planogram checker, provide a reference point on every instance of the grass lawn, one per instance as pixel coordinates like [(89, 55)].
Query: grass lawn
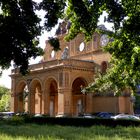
[(56, 132)]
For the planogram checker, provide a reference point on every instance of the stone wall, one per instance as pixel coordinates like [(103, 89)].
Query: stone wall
[(112, 104)]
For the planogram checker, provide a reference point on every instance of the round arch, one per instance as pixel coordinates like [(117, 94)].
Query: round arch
[(20, 86), (86, 80), (48, 81), (51, 96), (36, 80), (77, 84), (78, 99), (19, 97), (35, 96)]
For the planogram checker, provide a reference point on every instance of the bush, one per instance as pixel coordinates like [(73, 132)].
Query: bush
[(15, 120), (86, 122), (4, 99)]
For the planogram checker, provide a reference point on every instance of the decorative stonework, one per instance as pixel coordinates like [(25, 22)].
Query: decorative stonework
[(55, 83), (104, 40), (65, 53)]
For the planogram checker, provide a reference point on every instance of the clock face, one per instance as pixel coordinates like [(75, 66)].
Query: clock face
[(52, 54), (104, 40), (81, 47)]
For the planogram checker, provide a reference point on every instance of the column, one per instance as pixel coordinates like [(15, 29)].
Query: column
[(43, 102), (67, 101), (14, 98), (60, 109)]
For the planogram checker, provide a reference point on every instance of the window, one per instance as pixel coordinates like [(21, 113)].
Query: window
[(81, 47)]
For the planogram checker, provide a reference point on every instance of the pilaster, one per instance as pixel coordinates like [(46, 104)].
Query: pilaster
[(65, 101), (14, 104), (60, 102), (68, 105)]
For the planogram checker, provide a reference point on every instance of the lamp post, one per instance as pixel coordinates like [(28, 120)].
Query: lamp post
[(83, 91)]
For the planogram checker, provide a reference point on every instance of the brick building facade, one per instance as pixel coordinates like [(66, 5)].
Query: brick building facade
[(54, 85)]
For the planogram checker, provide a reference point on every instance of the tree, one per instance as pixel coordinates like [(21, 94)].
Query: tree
[(3, 90), (20, 28), (19, 31), (4, 99), (125, 49), (18, 18)]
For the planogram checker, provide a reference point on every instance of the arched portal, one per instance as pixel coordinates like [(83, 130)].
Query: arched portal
[(53, 107), (21, 98), (79, 100), (35, 98)]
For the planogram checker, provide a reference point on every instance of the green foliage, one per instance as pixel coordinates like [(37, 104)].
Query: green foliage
[(5, 99), (5, 103), (137, 104), (16, 120), (81, 122), (20, 28), (54, 10), (54, 42), (53, 132), (19, 31), (3, 90), (124, 69)]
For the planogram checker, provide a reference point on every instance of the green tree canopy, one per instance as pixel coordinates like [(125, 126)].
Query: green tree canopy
[(4, 99), (3, 90), (125, 49), (20, 28)]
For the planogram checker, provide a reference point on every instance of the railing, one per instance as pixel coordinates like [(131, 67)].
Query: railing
[(55, 63)]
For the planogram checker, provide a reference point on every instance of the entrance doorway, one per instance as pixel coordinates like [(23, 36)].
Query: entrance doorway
[(78, 97), (79, 107), (53, 107)]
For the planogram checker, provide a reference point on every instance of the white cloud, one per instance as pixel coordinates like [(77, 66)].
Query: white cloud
[(109, 26), (5, 80)]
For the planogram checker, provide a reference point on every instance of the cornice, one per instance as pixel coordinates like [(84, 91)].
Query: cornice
[(56, 65)]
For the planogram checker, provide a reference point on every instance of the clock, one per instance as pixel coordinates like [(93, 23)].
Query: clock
[(104, 40)]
